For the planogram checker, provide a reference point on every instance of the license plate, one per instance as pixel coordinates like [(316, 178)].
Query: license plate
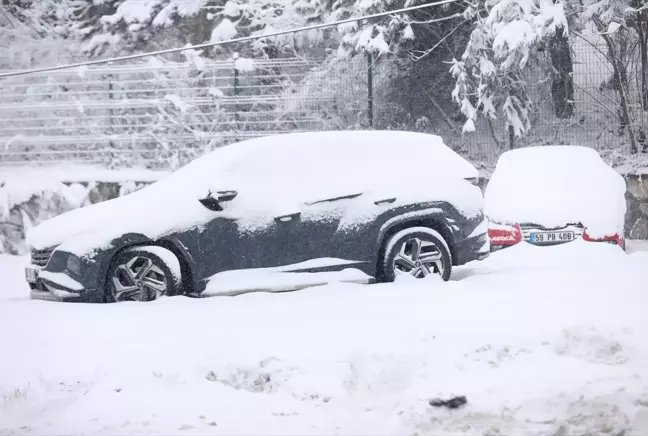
[(31, 274), (551, 236)]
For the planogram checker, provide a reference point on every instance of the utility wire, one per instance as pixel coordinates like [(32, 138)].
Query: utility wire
[(230, 41)]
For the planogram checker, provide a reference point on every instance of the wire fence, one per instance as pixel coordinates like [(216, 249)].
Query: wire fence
[(163, 114)]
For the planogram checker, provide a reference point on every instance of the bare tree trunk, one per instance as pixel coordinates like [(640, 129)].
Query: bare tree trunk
[(642, 29), (562, 87), (621, 78)]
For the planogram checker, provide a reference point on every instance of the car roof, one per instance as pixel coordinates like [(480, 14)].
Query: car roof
[(558, 154), (339, 151)]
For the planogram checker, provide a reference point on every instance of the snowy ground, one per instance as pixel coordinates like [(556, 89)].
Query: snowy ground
[(539, 340)]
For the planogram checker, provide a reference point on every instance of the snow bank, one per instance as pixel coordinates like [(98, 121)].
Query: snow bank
[(556, 185), (555, 346), (277, 176), (240, 282)]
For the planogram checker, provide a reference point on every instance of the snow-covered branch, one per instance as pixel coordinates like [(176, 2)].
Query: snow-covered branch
[(489, 75)]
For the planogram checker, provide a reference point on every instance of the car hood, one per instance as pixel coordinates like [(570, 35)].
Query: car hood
[(145, 212)]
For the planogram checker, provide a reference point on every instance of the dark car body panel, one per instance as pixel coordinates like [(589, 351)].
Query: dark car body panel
[(223, 245)]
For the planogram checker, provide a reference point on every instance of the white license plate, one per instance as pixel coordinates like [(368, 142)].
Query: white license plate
[(31, 274), (551, 237)]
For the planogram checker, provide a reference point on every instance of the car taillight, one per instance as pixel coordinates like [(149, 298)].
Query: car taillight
[(504, 234), (614, 239)]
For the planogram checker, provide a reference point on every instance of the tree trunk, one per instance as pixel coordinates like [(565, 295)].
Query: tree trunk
[(642, 28), (620, 77), (562, 87)]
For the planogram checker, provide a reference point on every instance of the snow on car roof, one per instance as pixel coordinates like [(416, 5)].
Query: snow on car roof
[(565, 155), (275, 176), (334, 149), (556, 185)]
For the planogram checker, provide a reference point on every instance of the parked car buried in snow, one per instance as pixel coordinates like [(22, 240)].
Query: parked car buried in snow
[(383, 203), (550, 195)]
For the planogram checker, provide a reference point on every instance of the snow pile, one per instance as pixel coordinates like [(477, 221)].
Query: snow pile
[(539, 340), (277, 176), (556, 185), (284, 278)]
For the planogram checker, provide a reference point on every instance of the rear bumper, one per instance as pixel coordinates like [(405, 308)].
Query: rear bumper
[(611, 240), (471, 249)]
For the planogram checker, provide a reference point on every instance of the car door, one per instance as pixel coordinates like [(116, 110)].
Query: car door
[(320, 231), (305, 232)]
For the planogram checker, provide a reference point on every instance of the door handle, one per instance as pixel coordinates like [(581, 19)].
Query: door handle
[(386, 200), (288, 218)]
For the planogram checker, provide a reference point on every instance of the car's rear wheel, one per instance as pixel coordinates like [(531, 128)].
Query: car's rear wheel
[(143, 274), (417, 252)]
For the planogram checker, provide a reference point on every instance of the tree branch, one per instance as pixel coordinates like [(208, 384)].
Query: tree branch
[(6, 14), (427, 52)]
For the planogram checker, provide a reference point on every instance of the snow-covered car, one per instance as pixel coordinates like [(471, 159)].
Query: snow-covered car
[(550, 195), (384, 203)]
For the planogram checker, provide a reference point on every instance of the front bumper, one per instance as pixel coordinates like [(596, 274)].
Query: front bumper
[(45, 285)]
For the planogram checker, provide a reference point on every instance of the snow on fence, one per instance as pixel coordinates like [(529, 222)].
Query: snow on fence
[(162, 114)]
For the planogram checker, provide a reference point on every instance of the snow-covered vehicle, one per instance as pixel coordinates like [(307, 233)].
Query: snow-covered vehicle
[(550, 195), (384, 203)]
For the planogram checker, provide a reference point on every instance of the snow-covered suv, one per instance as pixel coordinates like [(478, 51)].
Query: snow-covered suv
[(384, 203), (550, 195)]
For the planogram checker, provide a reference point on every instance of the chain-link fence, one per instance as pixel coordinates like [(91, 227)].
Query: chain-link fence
[(162, 114)]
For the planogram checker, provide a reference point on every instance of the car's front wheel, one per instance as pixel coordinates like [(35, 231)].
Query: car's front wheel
[(143, 274), (417, 252)]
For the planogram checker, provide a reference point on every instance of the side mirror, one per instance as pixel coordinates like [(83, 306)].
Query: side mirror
[(226, 195), (214, 203)]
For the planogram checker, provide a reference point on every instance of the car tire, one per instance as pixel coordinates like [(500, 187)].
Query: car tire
[(401, 255), (143, 274)]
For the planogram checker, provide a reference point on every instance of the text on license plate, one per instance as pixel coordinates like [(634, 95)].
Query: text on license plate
[(551, 236), (30, 275)]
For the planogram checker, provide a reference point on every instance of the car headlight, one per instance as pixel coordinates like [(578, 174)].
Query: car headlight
[(74, 265)]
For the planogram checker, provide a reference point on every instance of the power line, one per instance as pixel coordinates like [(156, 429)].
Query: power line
[(232, 41)]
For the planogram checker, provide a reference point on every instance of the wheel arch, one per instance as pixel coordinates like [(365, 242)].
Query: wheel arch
[(186, 283), (433, 222)]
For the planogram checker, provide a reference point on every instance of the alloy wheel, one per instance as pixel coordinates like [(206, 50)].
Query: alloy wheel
[(418, 258), (139, 279)]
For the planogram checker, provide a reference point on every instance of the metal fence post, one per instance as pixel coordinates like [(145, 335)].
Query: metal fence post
[(236, 92), (370, 114), (110, 97), (111, 114)]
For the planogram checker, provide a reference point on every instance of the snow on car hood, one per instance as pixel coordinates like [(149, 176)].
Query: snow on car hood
[(276, 176), (556, 185)]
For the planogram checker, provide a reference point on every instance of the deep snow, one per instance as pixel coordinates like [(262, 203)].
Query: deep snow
[(538, 339)]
